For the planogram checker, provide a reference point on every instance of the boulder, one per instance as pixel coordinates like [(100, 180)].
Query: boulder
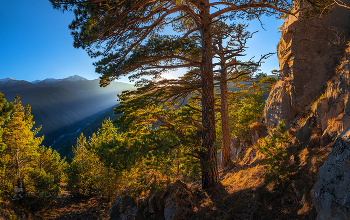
[(175, 203), (123, 208), (179, 204), (256, 131), (331, 193)]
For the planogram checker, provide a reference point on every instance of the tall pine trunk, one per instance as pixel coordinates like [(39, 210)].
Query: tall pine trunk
[(225, 147), (209, 161), (18, 175)]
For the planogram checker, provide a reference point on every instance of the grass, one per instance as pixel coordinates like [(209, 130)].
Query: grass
[(315, 103)]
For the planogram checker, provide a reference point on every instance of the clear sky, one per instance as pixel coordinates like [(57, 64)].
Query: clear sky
[(35, 43)]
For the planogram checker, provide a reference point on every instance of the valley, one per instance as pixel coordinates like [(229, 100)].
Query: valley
[(64, 106)]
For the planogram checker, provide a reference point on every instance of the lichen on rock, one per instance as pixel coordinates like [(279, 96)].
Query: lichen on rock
[(331, 193)]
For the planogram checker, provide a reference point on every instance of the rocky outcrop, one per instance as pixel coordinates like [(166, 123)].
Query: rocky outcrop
[(330, 113), (179, 205), (176, 203), (123, 208), (257, 130), (331, 193), (308, 52), (333, 108)]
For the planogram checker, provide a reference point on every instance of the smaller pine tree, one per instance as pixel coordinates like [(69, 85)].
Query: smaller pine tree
[(84, 172), (274, 149), (5, 111)]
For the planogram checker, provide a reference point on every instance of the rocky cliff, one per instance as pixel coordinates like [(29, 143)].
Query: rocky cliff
[(309, 51), (331, 192), (312, 96)]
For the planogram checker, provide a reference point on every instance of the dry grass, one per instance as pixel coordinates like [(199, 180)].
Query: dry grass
[(244, 192), (243, 179)]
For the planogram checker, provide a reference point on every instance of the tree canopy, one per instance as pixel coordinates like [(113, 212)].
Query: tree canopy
[(113, 29)]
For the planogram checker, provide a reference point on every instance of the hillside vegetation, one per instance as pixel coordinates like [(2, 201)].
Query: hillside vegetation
[(182, 148), (137, 158)]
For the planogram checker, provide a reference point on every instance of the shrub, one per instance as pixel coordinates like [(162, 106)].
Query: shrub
[(274, 149)]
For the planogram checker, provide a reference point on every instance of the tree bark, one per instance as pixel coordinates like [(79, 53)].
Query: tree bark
[(225, 129), (209, 161), (17, 171)]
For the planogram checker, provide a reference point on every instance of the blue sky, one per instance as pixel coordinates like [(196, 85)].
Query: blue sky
[(35, 43)]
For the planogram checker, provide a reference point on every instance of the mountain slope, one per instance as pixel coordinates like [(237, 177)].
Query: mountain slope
[(65, 143), (62, 106)]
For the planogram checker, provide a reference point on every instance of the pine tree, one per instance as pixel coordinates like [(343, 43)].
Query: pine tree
[(113, 29), (46, 171), (84, 173), (23, 162), (22, 145), (102, 145), (5, 111), (274, 149)]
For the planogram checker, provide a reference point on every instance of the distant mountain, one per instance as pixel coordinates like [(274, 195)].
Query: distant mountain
[(6, 80), (52, 81), (62, 106)]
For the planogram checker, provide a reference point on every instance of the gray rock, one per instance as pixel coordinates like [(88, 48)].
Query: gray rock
[(332, 111), (140, 204), (129, 214), (176, 203), (308, 52), (121, 208), (305, 131), (235, 147), (179, 206), (256, 131), (331, 193), (152, 204)]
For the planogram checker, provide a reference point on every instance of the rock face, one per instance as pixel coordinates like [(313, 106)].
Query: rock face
[(176, 203), (331, 193), (179, 205), (333, 110), (330, 113), (123, 208), (308, 53)]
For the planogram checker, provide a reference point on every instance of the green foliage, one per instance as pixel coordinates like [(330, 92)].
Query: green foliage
[(246, 105), (154, 148), (23, 162), (22, 145), (41, 181), (84, 174), (50, 161), (274, 149), (46, 171), (162, 134), (116, 30), (5, 110), (319, 7)]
